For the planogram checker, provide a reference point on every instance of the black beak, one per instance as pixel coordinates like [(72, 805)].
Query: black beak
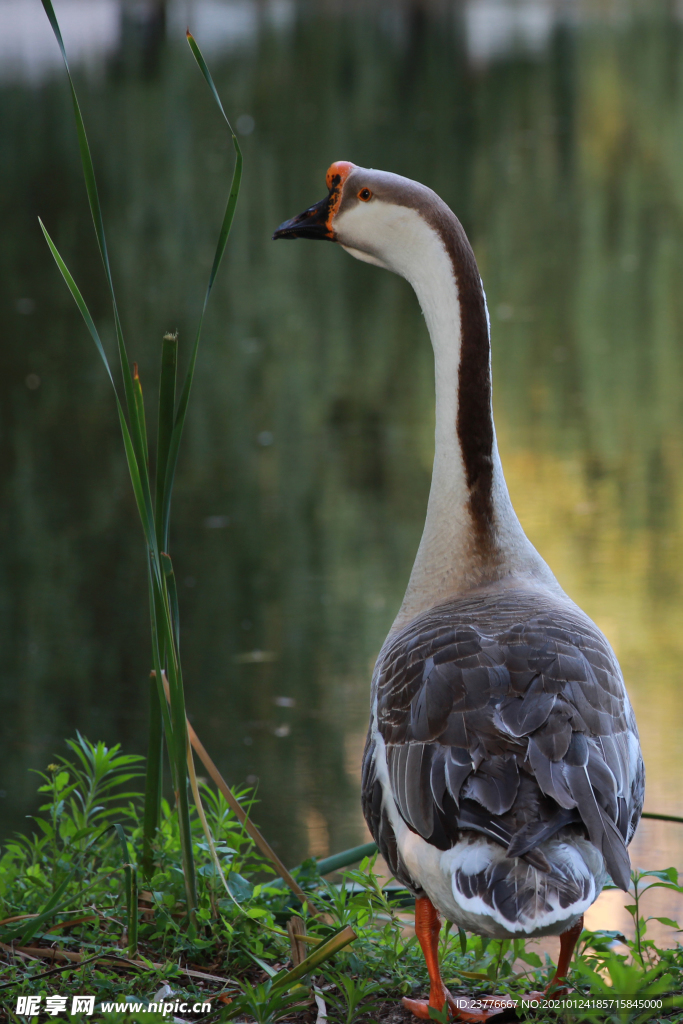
[(312, 223)]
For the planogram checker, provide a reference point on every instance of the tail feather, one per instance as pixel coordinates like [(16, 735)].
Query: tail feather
[(513, 894), (537, 832)]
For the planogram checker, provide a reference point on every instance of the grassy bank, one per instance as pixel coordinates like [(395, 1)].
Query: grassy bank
[(73, 921)]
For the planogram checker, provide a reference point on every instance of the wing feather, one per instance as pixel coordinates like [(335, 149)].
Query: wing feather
[(518, 727)]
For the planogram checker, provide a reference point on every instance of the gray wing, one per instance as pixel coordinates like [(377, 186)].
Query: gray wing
[(516, 735)]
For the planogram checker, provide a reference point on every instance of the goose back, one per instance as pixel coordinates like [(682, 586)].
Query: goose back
[(503, 715)]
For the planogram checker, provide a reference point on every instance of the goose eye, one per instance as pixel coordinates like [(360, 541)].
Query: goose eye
[(365, 194)]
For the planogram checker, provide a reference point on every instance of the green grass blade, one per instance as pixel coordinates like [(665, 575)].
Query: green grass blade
[(167, 566), (91, 189), (153, 780), (79, 300), (207, 75), (130, 874), (133, 465), (179, 741), (140, 410), (138, 487), (136, 428), (86, 159), (167, 386), (237, 173), (226, 225), (158, 657), (50, 908), (144, 506), (179, 747), (158, 651)]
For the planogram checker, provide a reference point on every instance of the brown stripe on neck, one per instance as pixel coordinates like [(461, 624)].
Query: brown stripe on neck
[(474, 422)]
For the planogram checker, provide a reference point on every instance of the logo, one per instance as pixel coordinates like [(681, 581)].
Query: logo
[(83, 1004)]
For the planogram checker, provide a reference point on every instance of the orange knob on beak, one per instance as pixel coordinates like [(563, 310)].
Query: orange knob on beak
[(316, 221)]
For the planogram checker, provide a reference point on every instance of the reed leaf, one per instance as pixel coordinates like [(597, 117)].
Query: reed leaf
[(179, 423), (157, 655), (167, 394), (96, 212), (167, 566), (153, 780), (127, 441), (321, 953), (140, 412)]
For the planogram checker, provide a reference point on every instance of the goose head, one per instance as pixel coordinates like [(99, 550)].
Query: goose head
[(378, 217)]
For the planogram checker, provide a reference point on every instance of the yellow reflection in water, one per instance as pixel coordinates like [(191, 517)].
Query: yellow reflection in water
[(612, 576)]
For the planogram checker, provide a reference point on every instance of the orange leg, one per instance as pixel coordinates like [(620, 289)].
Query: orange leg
[(427, 928), (568, 942)]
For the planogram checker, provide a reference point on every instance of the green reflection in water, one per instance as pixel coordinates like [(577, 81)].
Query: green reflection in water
[(304, 476)]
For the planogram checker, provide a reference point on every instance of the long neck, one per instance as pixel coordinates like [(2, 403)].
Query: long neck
[(472, 536)]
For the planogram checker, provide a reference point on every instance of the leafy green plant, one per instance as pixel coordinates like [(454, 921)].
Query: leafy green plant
[(667, 879), (266, 1003), (630, 982), (153, 501), (645, 971), (356, 996), (91, 785)]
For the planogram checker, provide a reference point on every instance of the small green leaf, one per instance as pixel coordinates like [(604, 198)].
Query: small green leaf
[(264, 966), (665, 885), (664, 875), (462, 936), (533, 959), (240, 889)]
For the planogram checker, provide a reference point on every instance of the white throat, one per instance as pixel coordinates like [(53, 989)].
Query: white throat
[(449, 561)]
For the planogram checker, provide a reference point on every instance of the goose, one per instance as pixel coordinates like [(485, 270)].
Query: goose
[(502, 777)]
